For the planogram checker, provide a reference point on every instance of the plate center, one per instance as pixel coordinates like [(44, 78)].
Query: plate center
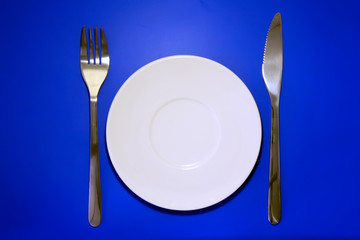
[(184, 133)]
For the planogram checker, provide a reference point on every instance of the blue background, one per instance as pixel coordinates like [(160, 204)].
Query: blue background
[(44, 144)]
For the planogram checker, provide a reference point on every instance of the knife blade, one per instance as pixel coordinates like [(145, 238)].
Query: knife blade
[(272, 73)]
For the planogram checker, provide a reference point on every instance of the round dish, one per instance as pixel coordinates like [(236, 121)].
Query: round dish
[(183, 132)]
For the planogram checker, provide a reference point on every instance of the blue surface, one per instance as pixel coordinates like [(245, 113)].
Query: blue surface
[(45, 116)]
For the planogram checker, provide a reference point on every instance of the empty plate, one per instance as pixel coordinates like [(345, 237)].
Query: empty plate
[(183, 132)]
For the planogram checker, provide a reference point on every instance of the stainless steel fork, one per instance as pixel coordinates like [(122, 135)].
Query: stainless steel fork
[(94, 72)]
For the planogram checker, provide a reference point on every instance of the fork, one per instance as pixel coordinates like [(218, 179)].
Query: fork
[(94, 72)]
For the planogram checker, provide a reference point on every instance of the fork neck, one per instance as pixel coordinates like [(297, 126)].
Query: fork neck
[(93, 120), (93, 99)]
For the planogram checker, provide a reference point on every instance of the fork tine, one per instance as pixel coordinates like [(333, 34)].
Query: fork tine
[(91, 49), (83, 47), (104, 48), (97, 61)]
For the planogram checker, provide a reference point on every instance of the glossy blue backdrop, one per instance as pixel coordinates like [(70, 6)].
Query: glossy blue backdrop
[(44, 144)]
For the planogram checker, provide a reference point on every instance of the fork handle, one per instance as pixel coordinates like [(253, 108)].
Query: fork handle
[(274, 198), (94, 176)]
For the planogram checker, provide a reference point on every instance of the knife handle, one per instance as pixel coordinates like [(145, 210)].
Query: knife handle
[(94, 176), (274, 198)]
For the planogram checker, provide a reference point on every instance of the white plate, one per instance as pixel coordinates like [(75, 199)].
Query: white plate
[(183, 132)]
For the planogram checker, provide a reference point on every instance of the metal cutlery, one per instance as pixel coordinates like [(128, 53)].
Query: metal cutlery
[(94, 71), (272, 73)]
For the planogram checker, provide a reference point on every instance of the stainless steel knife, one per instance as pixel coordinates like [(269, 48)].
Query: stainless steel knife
[(272, 73)]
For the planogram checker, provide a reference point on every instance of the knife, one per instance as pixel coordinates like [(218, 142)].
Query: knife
[(272, 73)]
